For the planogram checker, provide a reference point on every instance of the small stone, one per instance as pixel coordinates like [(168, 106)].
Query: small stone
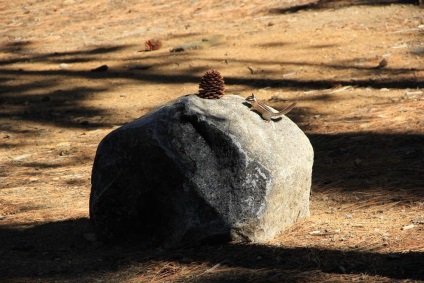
[(383, 63), (102, 68), (64, 66), (178, 49)]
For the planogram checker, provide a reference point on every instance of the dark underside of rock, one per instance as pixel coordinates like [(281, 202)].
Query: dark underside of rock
[(194, 170)]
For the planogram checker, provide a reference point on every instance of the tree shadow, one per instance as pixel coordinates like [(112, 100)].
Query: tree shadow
[(44, 95), (365, 161), (59, 106), (61, 251), (87, 55), (335, 4)]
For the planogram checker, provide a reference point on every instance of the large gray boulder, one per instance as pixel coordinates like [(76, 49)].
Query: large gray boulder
[(196, 169)]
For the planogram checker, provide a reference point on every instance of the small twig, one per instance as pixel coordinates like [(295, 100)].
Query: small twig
[(293, 73), (413, 92), (357, 121), (407, 227), (400, 46), (357, 225), (340, 89), (420, 27), (212, 268)]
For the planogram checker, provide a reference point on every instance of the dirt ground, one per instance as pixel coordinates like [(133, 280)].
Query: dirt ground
[(365, 123)]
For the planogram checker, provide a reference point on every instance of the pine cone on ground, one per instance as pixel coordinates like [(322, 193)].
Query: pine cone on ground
[(152, 44), (212, 85)]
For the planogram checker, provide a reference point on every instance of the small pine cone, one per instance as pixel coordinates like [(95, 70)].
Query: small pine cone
[(152, 44), (212, 85)]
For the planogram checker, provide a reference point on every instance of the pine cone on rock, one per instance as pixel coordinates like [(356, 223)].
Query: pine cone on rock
[(212, 85), (152, 44)]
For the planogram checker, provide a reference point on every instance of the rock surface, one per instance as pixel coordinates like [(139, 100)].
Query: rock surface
[(196, 169)]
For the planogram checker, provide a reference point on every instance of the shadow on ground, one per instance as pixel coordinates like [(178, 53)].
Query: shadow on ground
[(48, 95), (364, 161), (59, 251), (335, 4)]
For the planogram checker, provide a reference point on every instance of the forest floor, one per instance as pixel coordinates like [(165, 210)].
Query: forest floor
[(365, 122)]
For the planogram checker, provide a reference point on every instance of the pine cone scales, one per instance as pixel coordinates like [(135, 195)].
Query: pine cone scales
[(152, 44), (212, 85)]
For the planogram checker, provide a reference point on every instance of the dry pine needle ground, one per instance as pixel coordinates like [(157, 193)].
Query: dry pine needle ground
[(364, 121)]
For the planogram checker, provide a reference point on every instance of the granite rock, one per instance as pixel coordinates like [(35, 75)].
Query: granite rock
[(198, 169)]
